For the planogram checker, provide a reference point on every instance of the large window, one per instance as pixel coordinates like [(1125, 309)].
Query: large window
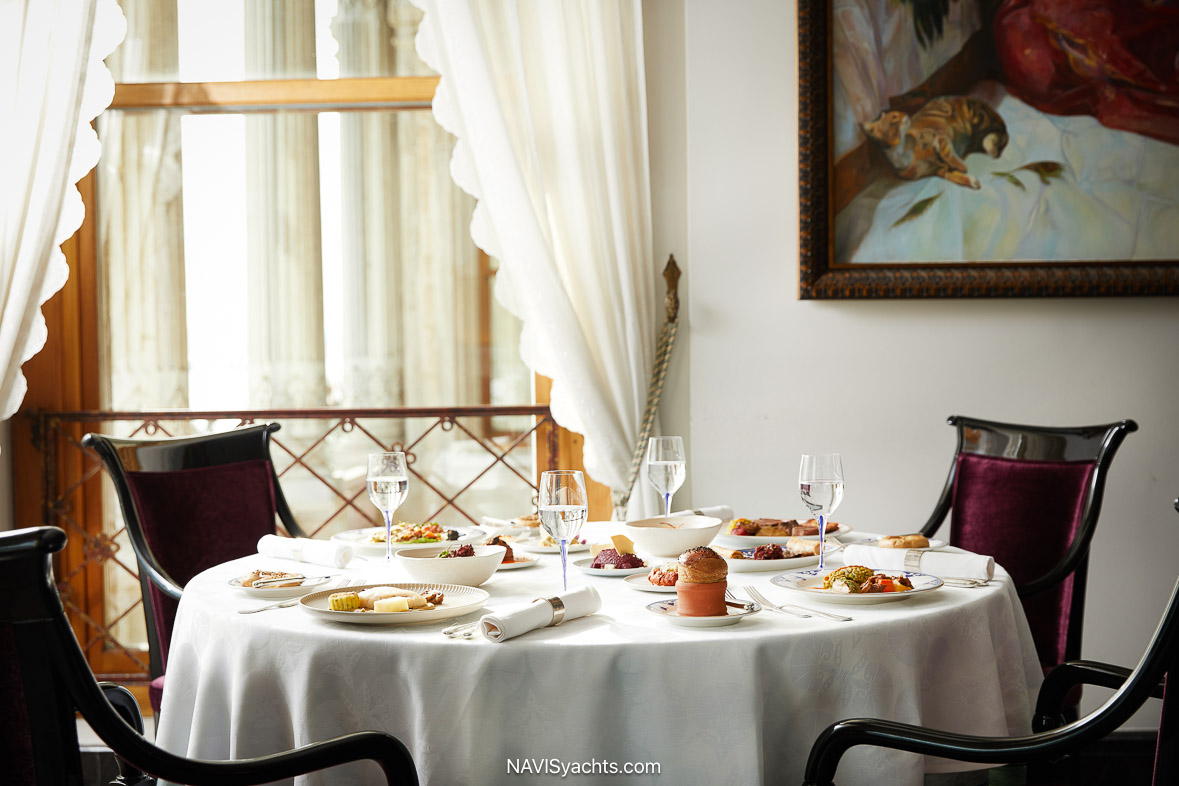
[(277, 229)]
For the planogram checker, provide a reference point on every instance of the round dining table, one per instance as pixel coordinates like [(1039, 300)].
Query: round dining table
[(620, 691)]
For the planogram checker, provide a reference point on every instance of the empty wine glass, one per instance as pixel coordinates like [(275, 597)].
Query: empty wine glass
[(666, 467), (563, 507), (820, 481), (388, 485)]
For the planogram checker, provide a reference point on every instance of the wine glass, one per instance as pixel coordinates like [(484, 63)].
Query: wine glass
[(388, 484), (563, 507), (820, 481), (666, 467)]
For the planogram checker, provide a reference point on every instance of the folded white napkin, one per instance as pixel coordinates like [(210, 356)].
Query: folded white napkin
[(723, 512), (318, 552), (515, 622), (936, 563)]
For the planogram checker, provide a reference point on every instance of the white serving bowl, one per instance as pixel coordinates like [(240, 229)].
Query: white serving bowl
[(653, 536), (423, 564)]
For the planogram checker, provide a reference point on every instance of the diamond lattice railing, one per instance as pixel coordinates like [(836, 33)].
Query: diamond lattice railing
[(464, 462)]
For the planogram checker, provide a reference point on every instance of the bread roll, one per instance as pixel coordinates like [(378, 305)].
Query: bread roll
[(702, 565), (903, 542), (803, 547)]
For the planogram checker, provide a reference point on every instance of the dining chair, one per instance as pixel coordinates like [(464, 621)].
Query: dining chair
[(1052, 738), (44, 679), (1030, 496), (190, 503)]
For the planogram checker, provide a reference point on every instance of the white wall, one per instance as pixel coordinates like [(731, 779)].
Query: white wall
[(761, 377)]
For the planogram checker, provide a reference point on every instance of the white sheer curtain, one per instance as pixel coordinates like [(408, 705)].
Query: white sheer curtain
[(548, 102), (52, 84)]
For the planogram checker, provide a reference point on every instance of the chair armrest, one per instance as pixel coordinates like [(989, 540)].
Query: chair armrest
[(1067, 676)]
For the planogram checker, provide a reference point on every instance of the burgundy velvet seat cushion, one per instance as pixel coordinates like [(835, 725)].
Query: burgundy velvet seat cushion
[(16, 737), (1024, 514), (155, 693), (194, 519)]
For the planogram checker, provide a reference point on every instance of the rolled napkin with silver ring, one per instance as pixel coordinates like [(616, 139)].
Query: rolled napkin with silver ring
[(317, 552), (936, 563), (541, 613), (722, 512)]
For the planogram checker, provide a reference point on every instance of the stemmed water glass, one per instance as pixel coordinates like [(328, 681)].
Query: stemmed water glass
[(820, 481), (666, 467), (388, 485), (563, 506)]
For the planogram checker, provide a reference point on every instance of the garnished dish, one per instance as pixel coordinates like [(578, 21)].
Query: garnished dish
[(858, 584), (450, 552), (432, 532), (370, 541), (796, 553), (665, 575), (620, 560), (395, 603), (511, 558), (547, 544), (747, 533), (296, 584)]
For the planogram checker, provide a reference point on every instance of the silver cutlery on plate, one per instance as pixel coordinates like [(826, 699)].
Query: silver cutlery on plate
[(292, 601), (753, 593), (960, 581), (736, 603), (789, 612), (262, 583)]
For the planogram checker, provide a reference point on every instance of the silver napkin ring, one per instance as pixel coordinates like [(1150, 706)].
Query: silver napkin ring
[(558, 610), (912, 560)]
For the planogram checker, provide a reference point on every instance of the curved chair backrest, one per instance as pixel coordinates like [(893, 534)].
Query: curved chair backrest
[(44, 678), (190, 503), (1030, 496)]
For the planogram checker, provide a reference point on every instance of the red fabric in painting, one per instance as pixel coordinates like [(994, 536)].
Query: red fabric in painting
[(16, 738), (1113, 59), (1024, 514), (194, 519)]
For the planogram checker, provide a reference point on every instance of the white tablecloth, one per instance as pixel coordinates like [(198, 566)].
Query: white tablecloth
[(739, 704)]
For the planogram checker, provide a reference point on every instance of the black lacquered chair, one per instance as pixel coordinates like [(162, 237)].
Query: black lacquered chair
[(1052, 738), (1030, 496), (190, 503), (44, 679)]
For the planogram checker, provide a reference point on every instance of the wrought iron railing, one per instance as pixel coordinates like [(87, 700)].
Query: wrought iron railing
[(490, 458)]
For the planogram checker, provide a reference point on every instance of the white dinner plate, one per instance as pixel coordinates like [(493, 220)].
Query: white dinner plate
[(534, 546), (361, 539), (584, 566), (751, 565), (522, 561), (934, 543), (666, 609), (457, 600), (640, 583), (278, 593), (750, 541), (810, 583)]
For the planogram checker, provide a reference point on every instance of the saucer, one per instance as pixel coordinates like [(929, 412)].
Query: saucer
[(640, 583), (667, 610)]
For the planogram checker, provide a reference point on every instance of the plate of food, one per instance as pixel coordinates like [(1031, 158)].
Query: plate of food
[(513, 559), (547, 545), (278, 584), (857, 584), (797, 553), (661, 578), (370, 541), (747, 533), (394, 603), (915, 542), (616, 560), (667, 610)]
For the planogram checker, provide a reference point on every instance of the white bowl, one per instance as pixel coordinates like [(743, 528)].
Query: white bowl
[(655, 537), (423, 564)]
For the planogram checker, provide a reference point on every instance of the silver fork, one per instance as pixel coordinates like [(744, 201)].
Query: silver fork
[(766, 605), (788, 607), (282, 604), (744, 604)]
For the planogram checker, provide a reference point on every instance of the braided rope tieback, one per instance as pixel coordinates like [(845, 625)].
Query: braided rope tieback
[(663, 349)]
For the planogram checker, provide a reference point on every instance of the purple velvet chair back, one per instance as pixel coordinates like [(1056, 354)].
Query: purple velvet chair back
[(16, 736), (1030, 497), (193, 519)]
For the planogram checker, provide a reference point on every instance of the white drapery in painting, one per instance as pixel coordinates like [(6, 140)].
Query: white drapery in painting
[(548, 102), (46, 145)]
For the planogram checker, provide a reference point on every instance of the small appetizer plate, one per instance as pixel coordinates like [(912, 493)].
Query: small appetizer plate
[(584, 566), (521, 561), (361, 540), (934, 543), (667, 610), (810, 583), (751, 541), (641, 583), (278, 593)]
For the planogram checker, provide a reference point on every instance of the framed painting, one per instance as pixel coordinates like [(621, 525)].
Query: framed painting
[(988, 148)]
